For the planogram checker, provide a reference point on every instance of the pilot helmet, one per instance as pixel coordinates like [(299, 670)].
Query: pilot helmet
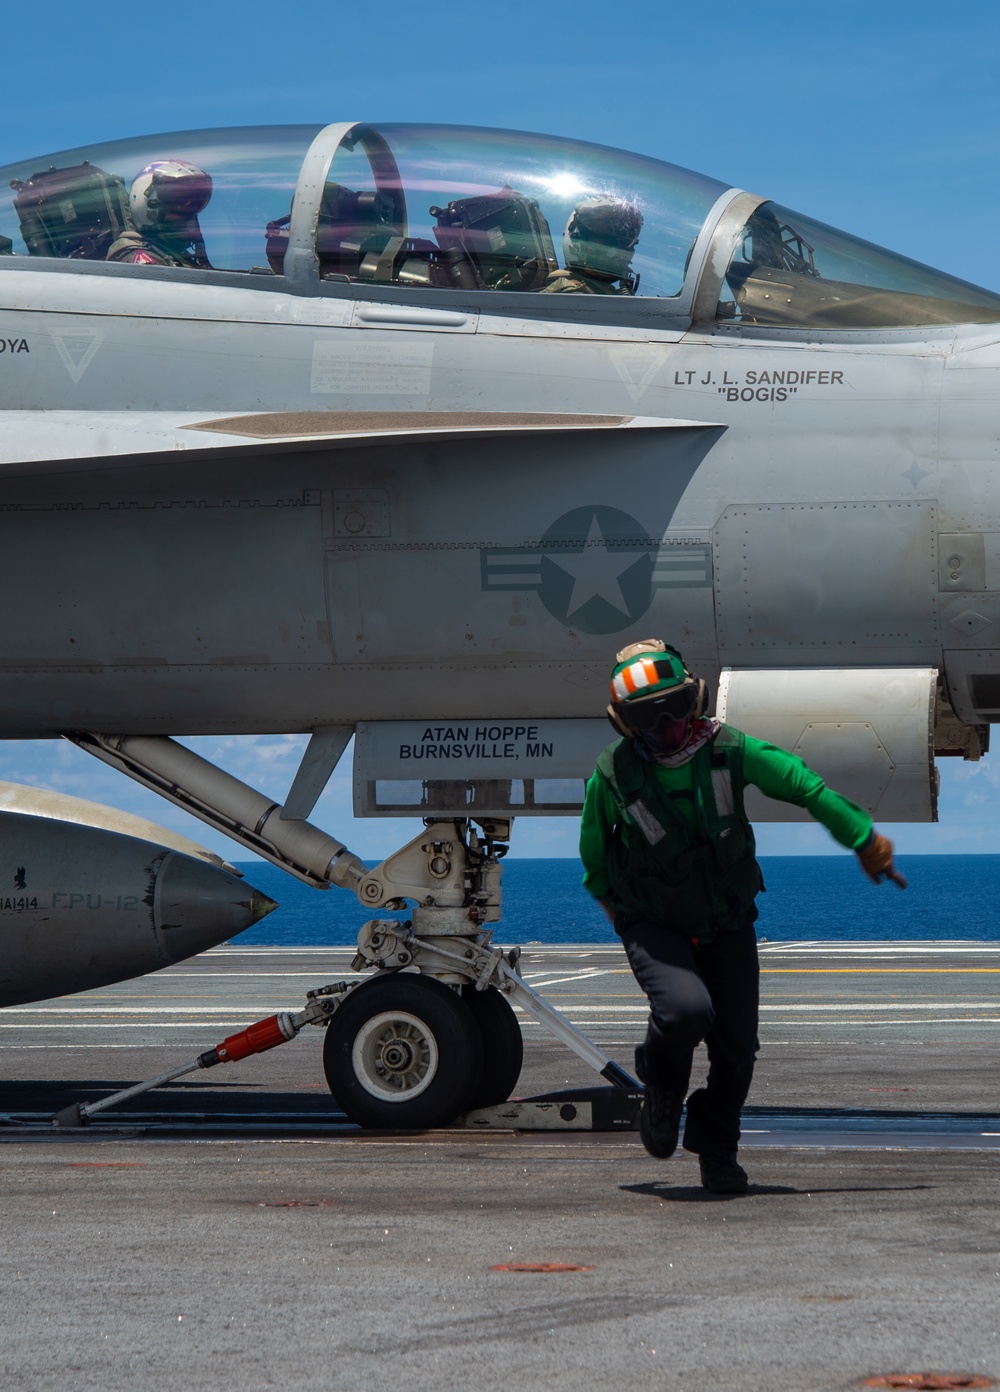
[(650, 683), (601, 236), (168, 195)]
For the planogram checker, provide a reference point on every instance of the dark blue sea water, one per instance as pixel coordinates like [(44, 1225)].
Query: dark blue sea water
[(824, 898)]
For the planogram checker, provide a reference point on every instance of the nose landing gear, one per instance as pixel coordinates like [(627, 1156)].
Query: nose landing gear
[(432, 1033), (418, 1047)]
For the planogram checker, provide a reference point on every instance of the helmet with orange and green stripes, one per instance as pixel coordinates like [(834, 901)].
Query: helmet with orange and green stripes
[(649, 683)]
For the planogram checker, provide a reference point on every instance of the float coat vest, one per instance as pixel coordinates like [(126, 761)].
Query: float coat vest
[(694, 879)]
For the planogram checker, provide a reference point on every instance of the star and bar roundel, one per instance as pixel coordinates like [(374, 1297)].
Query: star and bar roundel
[(596, 568)]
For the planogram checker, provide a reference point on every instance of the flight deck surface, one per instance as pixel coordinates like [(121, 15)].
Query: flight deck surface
[(882, 1026), (232, 1229)]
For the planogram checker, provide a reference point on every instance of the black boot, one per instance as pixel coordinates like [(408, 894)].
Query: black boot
[(660, 1117), (721, 1173), (660, 1120)]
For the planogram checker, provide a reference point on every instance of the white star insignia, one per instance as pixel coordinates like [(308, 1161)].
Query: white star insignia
[(596, 572)]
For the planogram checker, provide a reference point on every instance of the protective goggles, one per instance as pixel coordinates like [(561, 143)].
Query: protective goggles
[(645, 712)]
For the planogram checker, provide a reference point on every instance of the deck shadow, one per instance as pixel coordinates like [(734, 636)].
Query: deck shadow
[(694, 1193)]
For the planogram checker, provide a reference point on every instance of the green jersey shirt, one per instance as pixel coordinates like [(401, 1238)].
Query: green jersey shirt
[(774, 771)]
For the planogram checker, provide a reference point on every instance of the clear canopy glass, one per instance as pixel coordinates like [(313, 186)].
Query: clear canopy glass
[(462, 208), (488, 199), (792, 272), (415, 182), (253, 170)]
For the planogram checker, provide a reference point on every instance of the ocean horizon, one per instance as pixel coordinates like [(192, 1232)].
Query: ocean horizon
[(808, 898)]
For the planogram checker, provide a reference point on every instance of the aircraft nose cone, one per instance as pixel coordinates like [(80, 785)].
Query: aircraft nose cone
[(197, 906), (261, 905)]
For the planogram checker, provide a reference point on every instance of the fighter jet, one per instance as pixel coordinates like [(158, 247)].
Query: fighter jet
[(398, 431)]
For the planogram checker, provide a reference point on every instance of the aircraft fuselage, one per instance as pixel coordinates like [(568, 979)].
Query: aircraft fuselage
[(803, 522)]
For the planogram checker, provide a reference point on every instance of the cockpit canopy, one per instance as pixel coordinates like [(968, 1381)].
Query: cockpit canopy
[(451, 208)]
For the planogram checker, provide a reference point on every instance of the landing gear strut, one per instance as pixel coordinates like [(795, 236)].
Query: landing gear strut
[(432, 1033)]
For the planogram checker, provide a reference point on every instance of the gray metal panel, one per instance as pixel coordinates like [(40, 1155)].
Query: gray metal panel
[(867, 731), (549, 560), (835, 576), (969, 579), (970, 620), (623, 311), (962, 561), (222, 624), (524, 767), (152, 582), (202, 699), (321, 757)]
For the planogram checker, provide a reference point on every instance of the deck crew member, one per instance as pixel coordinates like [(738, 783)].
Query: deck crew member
[(669, 852)]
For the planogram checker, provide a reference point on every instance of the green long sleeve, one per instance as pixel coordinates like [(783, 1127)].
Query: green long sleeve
[(774, 771), (785, 777)]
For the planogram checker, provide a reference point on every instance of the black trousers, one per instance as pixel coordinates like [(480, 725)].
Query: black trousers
[(698, 992)]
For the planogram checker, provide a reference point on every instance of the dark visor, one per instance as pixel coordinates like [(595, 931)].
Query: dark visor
[(647, 711)]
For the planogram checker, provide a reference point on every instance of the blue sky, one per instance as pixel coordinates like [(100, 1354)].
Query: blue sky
[(879, 117)]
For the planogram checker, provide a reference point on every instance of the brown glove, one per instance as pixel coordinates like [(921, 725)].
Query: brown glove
[(876, 861)]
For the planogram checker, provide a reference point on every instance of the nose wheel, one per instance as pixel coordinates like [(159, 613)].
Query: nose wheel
[(403, 1051)]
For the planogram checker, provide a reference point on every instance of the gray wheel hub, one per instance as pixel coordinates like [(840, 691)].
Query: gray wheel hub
[(395, 1056)]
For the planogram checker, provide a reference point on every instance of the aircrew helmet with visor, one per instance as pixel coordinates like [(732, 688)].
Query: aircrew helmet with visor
[(649, 683), (601, 237), (169, 192)]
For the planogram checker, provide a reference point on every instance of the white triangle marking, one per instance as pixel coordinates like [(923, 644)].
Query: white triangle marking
[(637, 367), (77, 348)]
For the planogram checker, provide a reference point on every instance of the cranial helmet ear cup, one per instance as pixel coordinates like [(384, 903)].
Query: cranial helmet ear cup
[(701, 704)]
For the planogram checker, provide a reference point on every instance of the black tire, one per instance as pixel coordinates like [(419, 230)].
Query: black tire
[(403, 1052), (503, 1046)]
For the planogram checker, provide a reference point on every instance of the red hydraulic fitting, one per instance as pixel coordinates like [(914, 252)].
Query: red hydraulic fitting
[(256, 1039)]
